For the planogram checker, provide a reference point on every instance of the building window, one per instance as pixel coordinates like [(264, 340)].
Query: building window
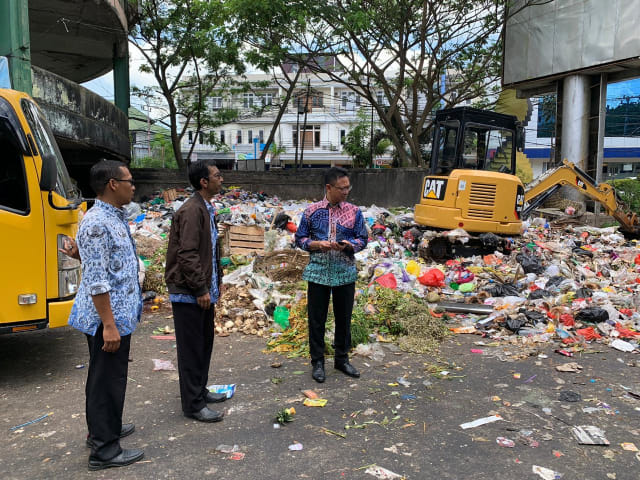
[(216, 103), (250, 136), (316, 100), (190, 136), (343, 136), (294, 136), (316, 138), (380, 98), (261, 135), (239, 137), (267, 99), (222, 136), (201, 137), (345, 99), (248, 100)]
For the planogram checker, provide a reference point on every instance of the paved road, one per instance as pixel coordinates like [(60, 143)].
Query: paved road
[(419, 437)]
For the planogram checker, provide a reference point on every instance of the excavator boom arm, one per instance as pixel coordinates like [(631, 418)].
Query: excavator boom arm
[(569, 174)]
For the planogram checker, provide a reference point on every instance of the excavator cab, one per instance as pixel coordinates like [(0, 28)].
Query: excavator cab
[(472, 183)]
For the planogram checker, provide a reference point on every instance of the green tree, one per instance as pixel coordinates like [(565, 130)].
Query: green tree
[(407, 58), (192, 55), (359, 140)]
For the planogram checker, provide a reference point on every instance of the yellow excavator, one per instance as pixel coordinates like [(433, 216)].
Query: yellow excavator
[(472, 183)]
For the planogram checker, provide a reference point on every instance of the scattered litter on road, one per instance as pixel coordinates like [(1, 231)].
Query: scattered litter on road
[(229, 389), (571, 367), (589, 435), (481, 421), (505, 442), (295, 447), (382, 473), (546, 473), (31, 422), (315, 402), (629, 446), (162, 365), (163, 337), (237, 456), (227, 448), (310, 394), (285, 415)]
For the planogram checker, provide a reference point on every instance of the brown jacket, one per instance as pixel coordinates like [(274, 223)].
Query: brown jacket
[(189, 254)]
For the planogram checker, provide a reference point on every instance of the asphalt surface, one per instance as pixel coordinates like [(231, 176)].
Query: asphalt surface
[(411, 429)]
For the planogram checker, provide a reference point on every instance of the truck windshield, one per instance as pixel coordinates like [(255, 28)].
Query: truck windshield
[(49, 151)]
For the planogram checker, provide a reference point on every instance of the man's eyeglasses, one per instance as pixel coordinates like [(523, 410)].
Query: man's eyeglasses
[(215, 175), (343, 189), (128, 180)]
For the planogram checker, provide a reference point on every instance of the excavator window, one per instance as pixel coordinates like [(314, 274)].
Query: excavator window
[(499, 150), (446, 155)]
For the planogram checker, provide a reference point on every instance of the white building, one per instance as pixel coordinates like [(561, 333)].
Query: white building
[(331, 113)]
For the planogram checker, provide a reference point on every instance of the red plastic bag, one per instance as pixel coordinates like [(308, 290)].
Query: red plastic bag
[(292, 227), (625, 332), (432, 278), (588, 333), (567, 320), (388, 280), (637, 260)]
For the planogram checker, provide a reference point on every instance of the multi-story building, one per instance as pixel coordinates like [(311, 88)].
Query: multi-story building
[(621, 156), (316, 136)]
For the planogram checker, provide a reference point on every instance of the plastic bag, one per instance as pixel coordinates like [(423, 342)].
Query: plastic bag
[(388, 280), (592, 315), (503, 290), (530, 263), (432, 278)]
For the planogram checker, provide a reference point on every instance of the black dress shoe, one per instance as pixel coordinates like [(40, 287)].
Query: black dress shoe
[(126, 430), (348, 369), (206, 415), (318, 372), (126, 457), (215, 397)]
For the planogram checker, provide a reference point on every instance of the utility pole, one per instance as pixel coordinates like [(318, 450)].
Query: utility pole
[(371, 136), (295, 160), (148, 109), (304, 125)]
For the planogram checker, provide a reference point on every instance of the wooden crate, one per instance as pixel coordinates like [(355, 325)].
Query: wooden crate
[(169, 195), (242, 240)]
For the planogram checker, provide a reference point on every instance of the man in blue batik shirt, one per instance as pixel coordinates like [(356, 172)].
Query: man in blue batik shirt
[(332, 230), (107, 310), (193, 274)]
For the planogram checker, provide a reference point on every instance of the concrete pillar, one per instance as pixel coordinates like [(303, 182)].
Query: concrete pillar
[(15, 41), (575, 119), (121, 79)]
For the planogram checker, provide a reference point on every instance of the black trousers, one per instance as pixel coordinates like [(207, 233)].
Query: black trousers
[(194, 341), (317, 308), (105, 390)]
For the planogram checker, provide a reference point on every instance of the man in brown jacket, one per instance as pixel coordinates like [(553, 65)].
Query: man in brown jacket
[(193, 275)]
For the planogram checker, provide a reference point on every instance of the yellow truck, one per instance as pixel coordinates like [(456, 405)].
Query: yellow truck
[(39, 208)]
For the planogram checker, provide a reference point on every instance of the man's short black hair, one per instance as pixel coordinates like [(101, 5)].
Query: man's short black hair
[(198, 170), (333, 174), (102, 172)]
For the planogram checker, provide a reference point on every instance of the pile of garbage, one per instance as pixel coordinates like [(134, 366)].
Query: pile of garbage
[(558, 282)]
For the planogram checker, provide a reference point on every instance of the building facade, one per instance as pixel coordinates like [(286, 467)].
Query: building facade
[(313, 136)]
